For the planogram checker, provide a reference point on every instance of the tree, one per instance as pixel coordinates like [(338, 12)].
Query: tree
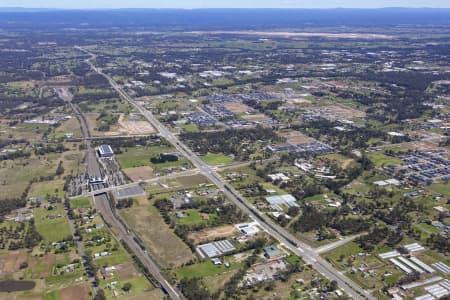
[(100, 295), (127, 287)]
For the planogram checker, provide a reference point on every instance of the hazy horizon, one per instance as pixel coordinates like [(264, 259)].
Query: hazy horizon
[(195, 4)]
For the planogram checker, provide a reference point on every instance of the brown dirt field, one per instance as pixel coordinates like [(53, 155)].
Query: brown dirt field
[(341, 112), (255, 117), (123, 126), (421, 146), (134, 127), (237, 107), (191, 181), (49, 260), (8, 262), (212, 233), (139, 173), (298, 101), (79, 292), (126, 271), (156, 294), (295, 137)]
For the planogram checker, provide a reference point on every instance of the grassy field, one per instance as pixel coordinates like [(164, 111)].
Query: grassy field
[(204, 269), (48, 188), (193, 217), (216, 159), (158, 237), (140, 156), (16, 174), (52, 230), (80, 202), (140, 287), (440, 188), (380, 159)]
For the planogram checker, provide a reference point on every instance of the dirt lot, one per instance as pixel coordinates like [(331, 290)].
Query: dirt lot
[(338, 112), (237, 107), (123, 127), (298, 101), (134, 127), (126, 271), (295, 137), (212, 234), (10, 262), (139, 173), (79, 292), (255, 117)]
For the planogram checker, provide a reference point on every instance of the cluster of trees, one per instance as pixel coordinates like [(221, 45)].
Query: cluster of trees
[(23, 236), (240, 142), (124, 203), (43, 149), (128, 142), (105, 121), (163, 158), (380, 235), (437, 241), (313, 219)]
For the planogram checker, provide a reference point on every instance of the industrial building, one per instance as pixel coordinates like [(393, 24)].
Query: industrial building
[(105, 151)]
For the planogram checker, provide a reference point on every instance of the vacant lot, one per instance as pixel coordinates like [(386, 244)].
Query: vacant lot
[(295, 137), (52, 224), (139, 173), (381, 159), (80, 202), (216, 159), (140, 157), (237, 107), (204, 269), (129, 127), (80, 292), (211, 234), (158, 238)]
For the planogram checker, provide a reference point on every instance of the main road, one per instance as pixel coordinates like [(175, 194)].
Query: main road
[(301, 249)]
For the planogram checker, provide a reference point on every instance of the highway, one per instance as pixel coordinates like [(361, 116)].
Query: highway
[(299, 248)]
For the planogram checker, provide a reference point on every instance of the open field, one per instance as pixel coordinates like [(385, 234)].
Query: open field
[(80, 202), (216, 159), (52, 224), (16, 174), (80, 292), (139, 173), (140, 157), (295, 137), (211, 234), (380, 159), (204, 269), (71, 126), (237, 107), (158, 238)]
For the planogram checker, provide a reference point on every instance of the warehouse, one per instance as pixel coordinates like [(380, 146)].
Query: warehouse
[(105, 151)]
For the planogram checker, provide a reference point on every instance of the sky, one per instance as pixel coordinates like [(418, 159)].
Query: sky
[(223, 3)]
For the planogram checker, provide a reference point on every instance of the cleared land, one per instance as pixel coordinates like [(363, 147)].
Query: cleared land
[(139, 173), (217, 159), (212, 234), (158, 238)]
